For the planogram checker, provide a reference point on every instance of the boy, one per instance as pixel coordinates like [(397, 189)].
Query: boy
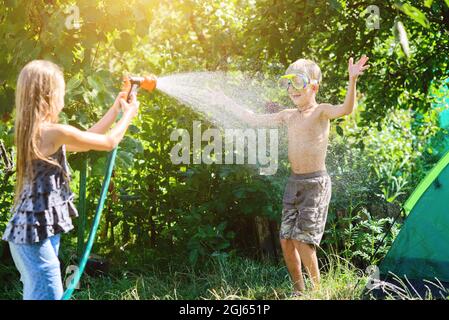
[(308, 191)]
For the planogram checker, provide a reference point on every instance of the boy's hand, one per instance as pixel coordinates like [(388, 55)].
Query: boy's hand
[(357, 69)]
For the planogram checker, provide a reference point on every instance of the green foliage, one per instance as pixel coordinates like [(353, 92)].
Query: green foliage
[(360, 238), (198, 211), (329, 32), (414, 13), (375, 169), (6, 175)]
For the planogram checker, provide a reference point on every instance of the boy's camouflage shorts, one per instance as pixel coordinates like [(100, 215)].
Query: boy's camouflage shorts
[(306, 202)]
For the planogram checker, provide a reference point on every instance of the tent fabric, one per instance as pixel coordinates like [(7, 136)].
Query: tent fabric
[(421, 249)]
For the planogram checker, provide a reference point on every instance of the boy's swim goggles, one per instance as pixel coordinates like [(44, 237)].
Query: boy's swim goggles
[(297, 81)]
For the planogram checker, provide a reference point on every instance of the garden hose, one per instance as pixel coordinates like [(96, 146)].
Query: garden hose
[(131, 85), (104, 191)]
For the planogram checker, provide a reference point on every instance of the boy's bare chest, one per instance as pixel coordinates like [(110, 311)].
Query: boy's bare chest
[(306, 125)]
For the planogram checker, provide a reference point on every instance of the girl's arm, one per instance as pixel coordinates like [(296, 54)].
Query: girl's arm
[(103, 125), (81, 141)]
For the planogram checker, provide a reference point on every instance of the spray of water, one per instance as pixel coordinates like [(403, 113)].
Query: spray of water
[(216, 94)]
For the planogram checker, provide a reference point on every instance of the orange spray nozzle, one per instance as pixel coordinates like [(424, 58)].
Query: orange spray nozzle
[(132, 84)]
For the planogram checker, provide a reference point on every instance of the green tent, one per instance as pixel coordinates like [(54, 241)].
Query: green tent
[(419, 256)]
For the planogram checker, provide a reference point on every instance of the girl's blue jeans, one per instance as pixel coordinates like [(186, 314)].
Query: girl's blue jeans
[(39, 268)]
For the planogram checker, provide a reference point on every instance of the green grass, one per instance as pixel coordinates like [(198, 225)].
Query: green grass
[(220, 278)]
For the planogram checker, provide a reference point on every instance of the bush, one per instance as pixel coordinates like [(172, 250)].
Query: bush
[(375, 169)]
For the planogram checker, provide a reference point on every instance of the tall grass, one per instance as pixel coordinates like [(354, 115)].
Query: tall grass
[(402, 289), (223, 277)]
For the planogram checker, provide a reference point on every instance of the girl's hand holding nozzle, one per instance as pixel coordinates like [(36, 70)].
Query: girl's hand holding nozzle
[(117, 105), (131, 107)]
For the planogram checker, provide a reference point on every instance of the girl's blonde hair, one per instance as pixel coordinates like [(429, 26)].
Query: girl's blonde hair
[(39, 99)]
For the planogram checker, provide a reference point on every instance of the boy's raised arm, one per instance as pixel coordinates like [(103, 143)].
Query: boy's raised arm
[(355, 70)]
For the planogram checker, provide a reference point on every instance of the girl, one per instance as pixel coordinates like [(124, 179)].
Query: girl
[(43, 205)]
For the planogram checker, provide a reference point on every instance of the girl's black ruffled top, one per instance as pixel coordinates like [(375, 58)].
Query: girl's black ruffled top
[(45, 207)]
